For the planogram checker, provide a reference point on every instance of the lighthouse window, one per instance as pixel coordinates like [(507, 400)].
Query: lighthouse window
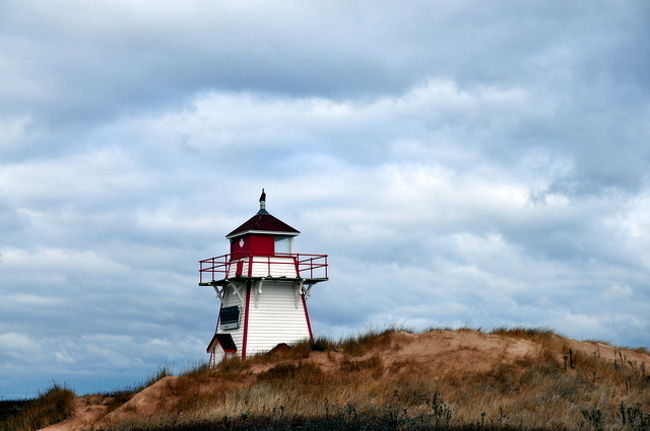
[(229, 317), (283, 244)]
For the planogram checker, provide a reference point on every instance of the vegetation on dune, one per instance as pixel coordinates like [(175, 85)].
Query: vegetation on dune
[(353, 384), (351, 421), (347, 384), (53, 406), (10, 408), (534, 334), (119, 397), (57, 404)]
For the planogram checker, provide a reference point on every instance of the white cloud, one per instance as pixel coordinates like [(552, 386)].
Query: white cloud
[(81, 176), (32, 300), (618, 291), (53, 260), (64, 358), (17, 346)]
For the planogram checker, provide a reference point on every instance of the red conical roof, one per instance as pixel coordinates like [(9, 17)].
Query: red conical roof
[(263, 222)]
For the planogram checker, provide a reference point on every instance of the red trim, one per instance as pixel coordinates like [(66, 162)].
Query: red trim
[(304, 304), (295, 261), (215, 340), (218, 267), (280, 346), (253, 244), (248, 304)]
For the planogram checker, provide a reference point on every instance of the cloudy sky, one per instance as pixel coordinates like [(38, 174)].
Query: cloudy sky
[(462, 164)]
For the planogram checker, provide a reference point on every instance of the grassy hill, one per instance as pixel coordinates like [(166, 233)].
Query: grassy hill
[(439, 379)]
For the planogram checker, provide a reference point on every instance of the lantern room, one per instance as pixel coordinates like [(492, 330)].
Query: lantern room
[(262, 235)]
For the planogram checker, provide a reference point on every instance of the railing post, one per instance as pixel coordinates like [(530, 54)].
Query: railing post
[(296, 264)]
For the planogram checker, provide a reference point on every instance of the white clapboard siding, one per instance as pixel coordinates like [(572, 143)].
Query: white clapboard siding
[(274, 266), (219, 354), (233, 268), (266, 266), (276, 316), (231, 299)]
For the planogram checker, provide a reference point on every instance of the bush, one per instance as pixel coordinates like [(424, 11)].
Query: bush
[(55, 405)]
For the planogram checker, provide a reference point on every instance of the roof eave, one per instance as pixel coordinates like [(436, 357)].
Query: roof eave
[(211, 343)]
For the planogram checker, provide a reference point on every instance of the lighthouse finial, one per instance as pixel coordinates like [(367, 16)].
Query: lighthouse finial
[(263, 203)]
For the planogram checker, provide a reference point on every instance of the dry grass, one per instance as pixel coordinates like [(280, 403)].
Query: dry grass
[(117, 398), (363, 343), (349, 421), (53, 406), (534, 392), (349, 384), (544, 336)]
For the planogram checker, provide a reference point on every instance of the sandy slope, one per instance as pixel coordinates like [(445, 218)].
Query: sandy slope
[(87, 410), (440, 351)]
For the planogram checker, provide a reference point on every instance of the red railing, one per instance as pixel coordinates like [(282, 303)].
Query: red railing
[(219, 267)]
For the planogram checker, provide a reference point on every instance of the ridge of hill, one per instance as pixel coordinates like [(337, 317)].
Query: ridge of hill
[(438, 379)]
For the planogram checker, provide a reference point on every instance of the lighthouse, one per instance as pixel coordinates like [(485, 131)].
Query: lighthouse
[(262, 286)]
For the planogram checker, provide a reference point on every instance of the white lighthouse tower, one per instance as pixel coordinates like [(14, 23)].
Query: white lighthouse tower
[(263, 287)]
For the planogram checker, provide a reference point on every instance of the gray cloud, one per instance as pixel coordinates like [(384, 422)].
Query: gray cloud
[(92, 60), (459, 165)]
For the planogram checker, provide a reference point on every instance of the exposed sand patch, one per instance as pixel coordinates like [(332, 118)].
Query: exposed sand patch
[(87, 410)]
